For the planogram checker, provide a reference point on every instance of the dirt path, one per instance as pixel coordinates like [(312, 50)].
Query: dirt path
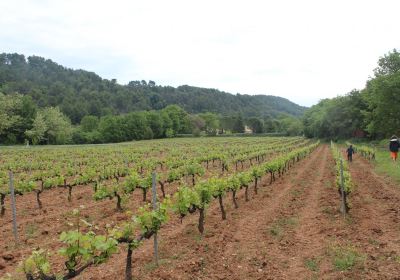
[(375, 221)]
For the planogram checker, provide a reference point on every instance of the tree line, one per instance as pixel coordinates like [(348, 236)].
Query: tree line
[(371, 112), (21, 121), (45, 103)]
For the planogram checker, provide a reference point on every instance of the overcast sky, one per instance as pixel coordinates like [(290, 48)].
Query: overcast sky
[(301, 50)]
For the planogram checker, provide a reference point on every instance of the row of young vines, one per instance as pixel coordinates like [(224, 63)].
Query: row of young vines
[(102, 170), (85, 246), (365, 151), (344, 183)]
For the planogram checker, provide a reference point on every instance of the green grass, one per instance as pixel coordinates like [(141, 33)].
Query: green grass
[(152, 266), (31, 230), (278, 228), (296, 192), (346, 257), (373, 242), (312, 264), (384, 164)]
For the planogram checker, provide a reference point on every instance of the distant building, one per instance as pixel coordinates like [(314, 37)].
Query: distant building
[(358, 133), (247, 129)]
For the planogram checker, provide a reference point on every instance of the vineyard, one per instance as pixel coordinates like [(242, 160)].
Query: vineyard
[(233, 206)]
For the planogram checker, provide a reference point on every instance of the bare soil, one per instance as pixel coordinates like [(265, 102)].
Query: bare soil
[(291, 229)]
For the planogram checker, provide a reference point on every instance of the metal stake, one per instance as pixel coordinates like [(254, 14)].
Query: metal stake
[(13, 206), (343, 203), (154, 192)]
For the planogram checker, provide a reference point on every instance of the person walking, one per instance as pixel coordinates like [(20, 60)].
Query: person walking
[(350, 152), (394, 147)]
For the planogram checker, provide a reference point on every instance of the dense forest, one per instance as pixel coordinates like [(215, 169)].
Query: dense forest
[(79, 93), (371, 112), (45, 103)]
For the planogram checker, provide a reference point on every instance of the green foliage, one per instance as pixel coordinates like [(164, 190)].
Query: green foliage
[(82, 248), (149, 220), (211, 123), (388, 64), (146, 182), (185, 198), (89, 123), (291, 126), (16, 115), (365, 151), (102, 193), (173, 175), (169, 133), (194, 169), (132, 182), (233, 182), (25, 186), (372, 110), (205, 193), (244, 178), (36, 264), (256, 172), (8, 114), (52, 126), (218, 186), (79, 93), (348, 183), (238, 124), (256, 125), (85, 248)]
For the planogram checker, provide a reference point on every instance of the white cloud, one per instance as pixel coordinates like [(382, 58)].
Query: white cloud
[(301, 50)]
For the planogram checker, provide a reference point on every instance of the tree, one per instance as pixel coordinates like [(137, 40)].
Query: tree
[(388, 64), (89, 123), (59, 128), (52, 126), (256, 125), (111, 130), (8, 106), (226, 123), (37, 133), (135, 126), (238, 125), (179, 118), (16, 116), (291, 126), (156, 123), (198, 124), (211, 123), (382, 95)]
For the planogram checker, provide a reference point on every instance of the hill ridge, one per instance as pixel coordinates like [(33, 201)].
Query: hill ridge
[(79, 92)]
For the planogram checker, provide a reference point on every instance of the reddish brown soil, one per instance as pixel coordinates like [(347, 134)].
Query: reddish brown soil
[(289, 230), (40, 228)]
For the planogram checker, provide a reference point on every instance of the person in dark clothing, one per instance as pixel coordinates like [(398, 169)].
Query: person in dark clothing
[(394, 147), (350, 152)]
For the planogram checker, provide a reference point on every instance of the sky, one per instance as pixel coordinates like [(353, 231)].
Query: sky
[(300, 50)]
